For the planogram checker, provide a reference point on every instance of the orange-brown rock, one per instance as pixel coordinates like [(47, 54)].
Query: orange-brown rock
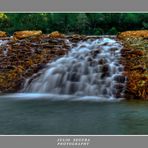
[(25, 34), (137, 86), (129, 34), (56, 34), (26, 57), (135, 61), (132, 53), (3, 34)]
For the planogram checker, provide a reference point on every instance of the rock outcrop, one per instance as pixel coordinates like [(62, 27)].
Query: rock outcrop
[(29, 51), (133, 34), (3, 34), (56, 34), (135, 60), (25, 34), (21, 58)]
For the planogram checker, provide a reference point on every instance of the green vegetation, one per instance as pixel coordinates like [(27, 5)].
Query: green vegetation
[(70, 23)]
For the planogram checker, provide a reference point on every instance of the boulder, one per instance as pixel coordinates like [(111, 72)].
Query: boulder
[(3, 34), (25, 34), (56, 34), (129, 34)]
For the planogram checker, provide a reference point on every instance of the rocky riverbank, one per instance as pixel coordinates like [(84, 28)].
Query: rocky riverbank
[(135, 60), (27, 52)]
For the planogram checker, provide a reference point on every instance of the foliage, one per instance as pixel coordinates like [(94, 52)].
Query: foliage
[(145, 25), (70, 23), (113, 30)]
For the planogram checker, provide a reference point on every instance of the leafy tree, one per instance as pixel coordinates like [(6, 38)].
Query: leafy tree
[(70, 23), (4, 22), (82, 23), (145, 25), (112, 31)]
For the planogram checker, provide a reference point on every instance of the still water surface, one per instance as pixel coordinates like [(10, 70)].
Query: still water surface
[(43, 116)]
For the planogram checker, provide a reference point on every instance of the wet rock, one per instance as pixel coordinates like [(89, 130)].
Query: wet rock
[(95, 52), (119, 78), (118, 95), (72, 87), (102, 61), (41, 66), (89, 59), (113, 49), (103, 75), (119, 86), (105, 68), (74, 77), (105, 92)]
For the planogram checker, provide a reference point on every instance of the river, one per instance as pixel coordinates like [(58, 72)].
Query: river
[(46, 117), (80, 93)]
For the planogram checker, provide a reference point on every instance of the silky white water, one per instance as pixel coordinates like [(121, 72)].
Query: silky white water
[(4, 43), (91, 70)]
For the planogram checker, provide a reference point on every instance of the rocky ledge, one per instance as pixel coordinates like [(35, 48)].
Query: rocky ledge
[(27, 52), (135, 60), (24, 54)]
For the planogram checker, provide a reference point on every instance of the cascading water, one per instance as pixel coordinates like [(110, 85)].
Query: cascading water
[(90, 70), (4, 43)]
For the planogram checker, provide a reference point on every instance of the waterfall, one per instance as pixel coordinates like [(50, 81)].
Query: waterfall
[(4, 44), (91, 69)]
